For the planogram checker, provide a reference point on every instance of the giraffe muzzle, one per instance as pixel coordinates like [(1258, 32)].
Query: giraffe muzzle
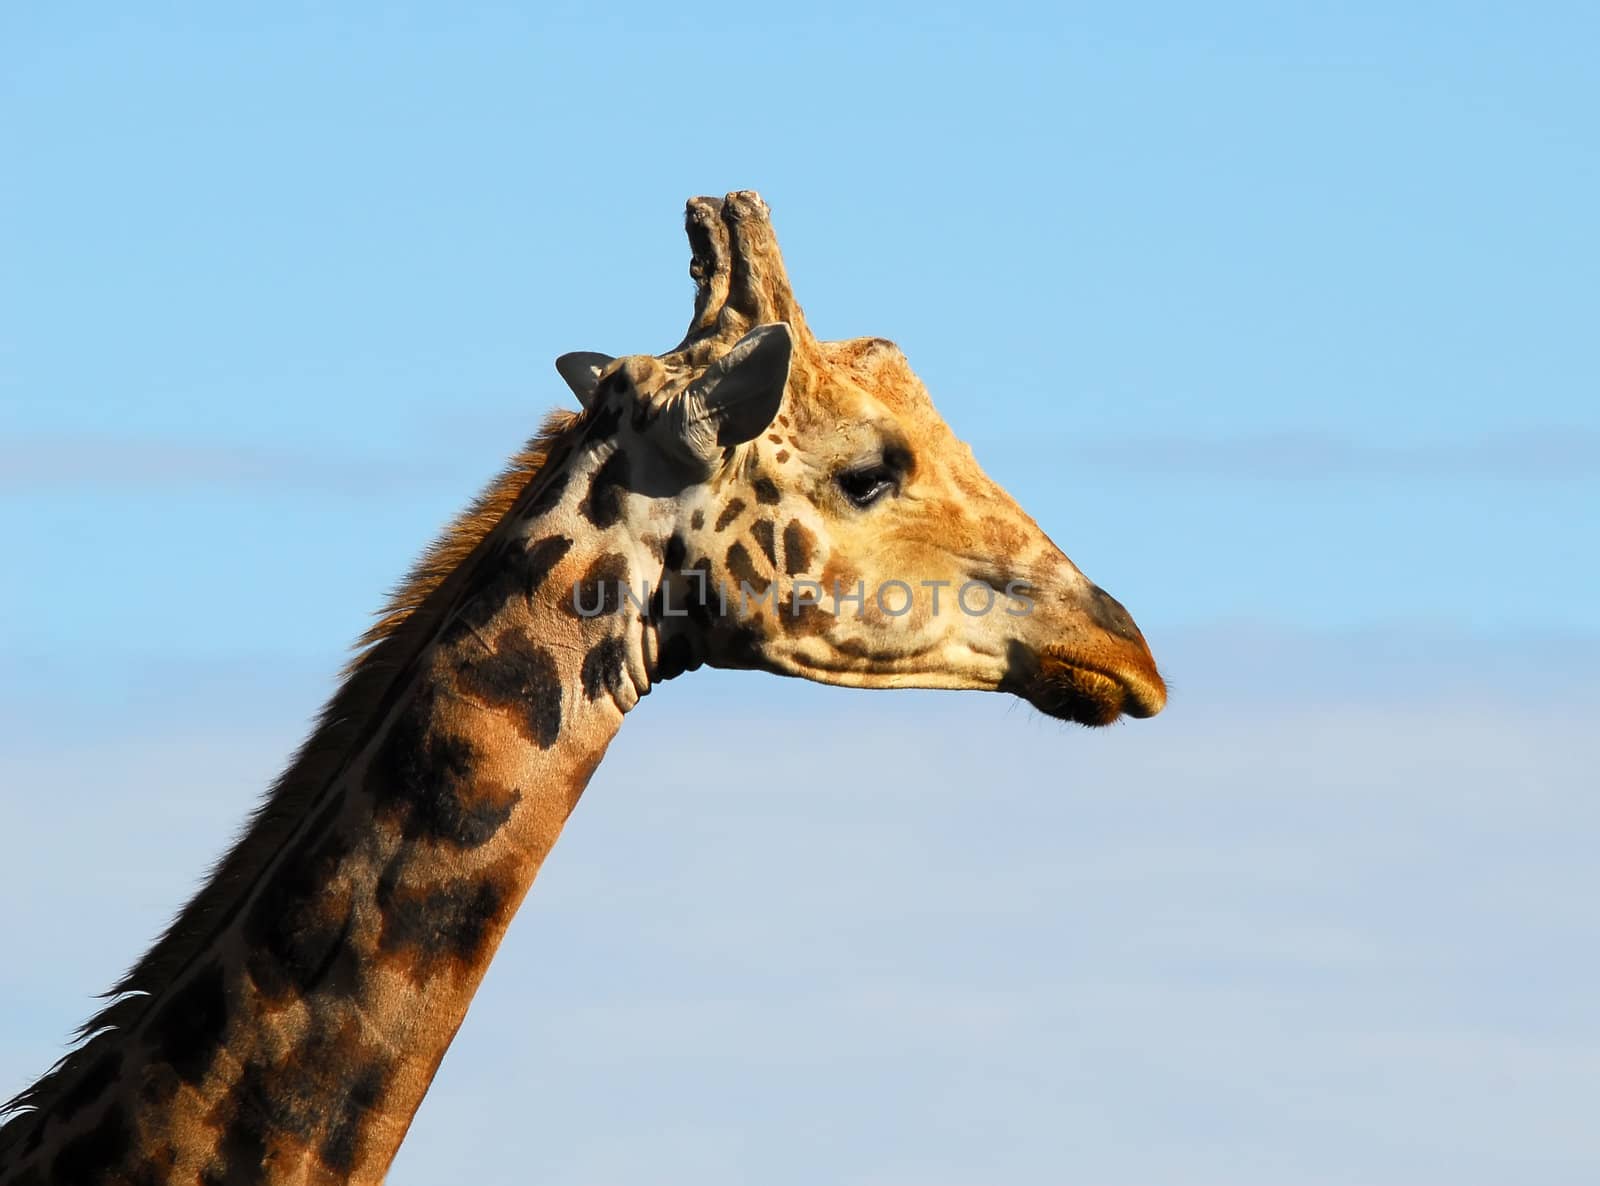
[(1104, 673), (1065, 687)]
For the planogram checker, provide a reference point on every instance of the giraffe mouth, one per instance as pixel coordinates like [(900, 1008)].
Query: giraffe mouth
[(1067, 687)]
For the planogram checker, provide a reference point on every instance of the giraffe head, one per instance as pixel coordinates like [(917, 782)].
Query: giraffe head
[(816, 516)]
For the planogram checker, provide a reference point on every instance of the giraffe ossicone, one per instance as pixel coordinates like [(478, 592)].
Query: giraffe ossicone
[(286, 1026)]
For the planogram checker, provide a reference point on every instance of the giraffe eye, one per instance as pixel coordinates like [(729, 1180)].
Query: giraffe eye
[(865, 486)]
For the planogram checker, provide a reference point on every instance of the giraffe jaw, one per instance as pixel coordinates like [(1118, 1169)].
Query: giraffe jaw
[(1066, 687)]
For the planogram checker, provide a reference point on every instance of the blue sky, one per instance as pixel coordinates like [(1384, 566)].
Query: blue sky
[(1279, 318)]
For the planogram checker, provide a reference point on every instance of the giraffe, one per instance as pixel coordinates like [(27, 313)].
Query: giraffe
[(754, 498)]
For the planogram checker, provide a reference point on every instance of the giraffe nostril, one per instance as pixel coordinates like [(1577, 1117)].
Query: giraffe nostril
[(1109, 614), (998, 581)]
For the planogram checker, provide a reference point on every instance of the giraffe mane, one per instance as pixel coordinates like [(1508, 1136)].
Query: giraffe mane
[(412, 615)]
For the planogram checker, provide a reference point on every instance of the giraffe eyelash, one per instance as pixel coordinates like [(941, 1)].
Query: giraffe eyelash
[(864, 486)]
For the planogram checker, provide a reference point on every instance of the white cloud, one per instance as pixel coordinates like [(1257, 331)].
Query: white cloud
[(97, 462), (458, 449), (1563, 453), (794, 934)]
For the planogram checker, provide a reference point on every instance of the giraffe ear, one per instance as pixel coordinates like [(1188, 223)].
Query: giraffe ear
[(738, 395), (582, 369)]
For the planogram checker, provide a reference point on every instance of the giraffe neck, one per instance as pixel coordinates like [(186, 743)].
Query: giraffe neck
[(300, 1043)]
